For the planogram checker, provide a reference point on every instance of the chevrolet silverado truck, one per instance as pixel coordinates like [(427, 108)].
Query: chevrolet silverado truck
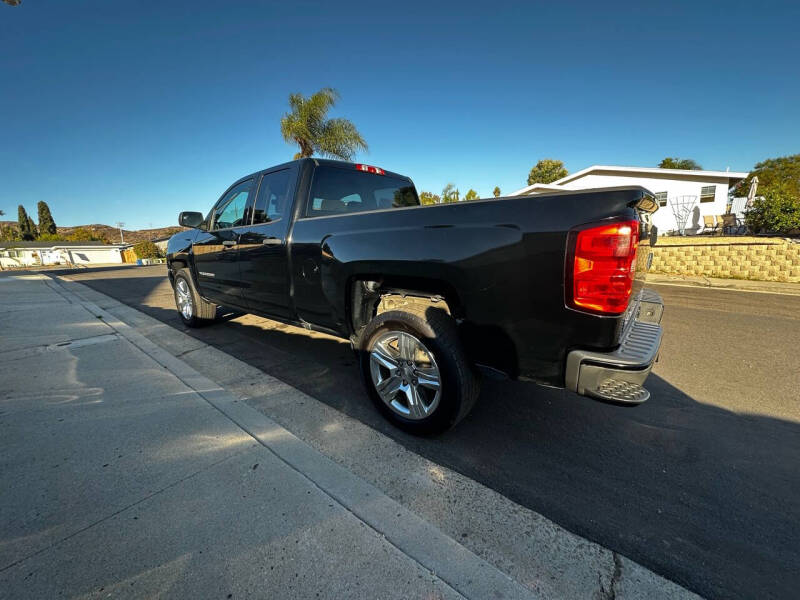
[(548, 288)]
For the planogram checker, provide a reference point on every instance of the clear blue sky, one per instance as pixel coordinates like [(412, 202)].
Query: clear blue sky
[(132, 111)]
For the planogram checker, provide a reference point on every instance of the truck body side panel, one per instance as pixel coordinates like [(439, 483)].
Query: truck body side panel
[(498, 263)]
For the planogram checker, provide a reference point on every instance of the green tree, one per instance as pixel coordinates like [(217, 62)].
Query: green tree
[(307, 126), (777, 206), (84, 234), (547, 170), (686, 164), (27, 229), (50, 237), (147, 250), (780, 174), (471, 195), (46, 222), (496, 192), (450, 193), (429, 198)]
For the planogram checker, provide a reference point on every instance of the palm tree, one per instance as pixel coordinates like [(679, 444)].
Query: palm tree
[(307, 126)]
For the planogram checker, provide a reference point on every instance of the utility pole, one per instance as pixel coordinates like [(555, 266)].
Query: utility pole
[(121, 236)]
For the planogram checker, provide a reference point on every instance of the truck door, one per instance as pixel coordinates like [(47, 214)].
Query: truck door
[(263, 256), (216, 250)]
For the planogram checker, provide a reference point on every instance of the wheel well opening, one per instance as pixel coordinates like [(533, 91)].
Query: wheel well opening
[(174, 267), (373, 296)]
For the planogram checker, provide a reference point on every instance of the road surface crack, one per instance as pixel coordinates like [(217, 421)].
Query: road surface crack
[(616, 575)]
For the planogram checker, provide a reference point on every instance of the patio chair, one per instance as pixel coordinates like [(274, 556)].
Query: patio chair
[(709, 226), (730, 224)]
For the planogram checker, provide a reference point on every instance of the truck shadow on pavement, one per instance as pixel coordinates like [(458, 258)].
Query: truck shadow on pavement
[(704, 496)]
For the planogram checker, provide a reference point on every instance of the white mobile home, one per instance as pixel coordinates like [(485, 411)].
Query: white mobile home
[(30, 254), (703, 192)]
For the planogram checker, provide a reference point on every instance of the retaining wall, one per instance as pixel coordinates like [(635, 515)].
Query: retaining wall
[(763, 259)]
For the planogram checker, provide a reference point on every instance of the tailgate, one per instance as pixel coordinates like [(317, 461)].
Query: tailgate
[(648, 236)]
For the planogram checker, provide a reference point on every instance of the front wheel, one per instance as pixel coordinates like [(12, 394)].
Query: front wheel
[(193, 310), (415, 370)]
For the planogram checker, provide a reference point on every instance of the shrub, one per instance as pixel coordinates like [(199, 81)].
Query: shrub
[(147, 250), (777, 211), (9, 233)]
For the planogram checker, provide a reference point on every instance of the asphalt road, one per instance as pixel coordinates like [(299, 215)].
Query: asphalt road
[(700, 484)]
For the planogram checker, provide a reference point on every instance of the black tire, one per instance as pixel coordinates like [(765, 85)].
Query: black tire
[(202, 311), (460, 383)]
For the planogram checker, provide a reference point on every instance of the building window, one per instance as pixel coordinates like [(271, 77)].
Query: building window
[(707, 193), (661, 198)]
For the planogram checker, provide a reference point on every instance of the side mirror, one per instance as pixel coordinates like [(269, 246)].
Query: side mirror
[(190, 219)]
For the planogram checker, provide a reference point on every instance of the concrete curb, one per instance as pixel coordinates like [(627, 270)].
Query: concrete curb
[(451, 562), (739, 285), (548, 560)]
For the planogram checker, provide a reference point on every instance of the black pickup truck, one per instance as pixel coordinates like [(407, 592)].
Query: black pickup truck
[(546, 289)]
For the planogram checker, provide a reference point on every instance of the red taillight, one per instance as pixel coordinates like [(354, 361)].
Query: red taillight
[(601, 268), (370, 169)]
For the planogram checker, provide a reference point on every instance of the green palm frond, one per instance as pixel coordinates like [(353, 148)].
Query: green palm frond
[(340, 138), (307, 125)]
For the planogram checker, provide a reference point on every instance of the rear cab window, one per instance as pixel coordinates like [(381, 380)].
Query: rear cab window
[(337, 191)]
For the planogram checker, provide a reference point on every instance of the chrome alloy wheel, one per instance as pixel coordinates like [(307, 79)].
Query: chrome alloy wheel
[(405, 374), (183, 297)]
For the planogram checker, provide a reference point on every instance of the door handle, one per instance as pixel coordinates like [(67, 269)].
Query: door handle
[(272, 241), (229, 243)]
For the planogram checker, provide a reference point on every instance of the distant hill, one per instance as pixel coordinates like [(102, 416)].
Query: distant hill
[(111, 234)]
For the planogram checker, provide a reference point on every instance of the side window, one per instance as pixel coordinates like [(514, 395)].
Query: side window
[(273, 197), (230, 212)]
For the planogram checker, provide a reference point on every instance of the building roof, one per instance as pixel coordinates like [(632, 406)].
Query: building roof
[(545, 187), (633, 171), (55, 245)]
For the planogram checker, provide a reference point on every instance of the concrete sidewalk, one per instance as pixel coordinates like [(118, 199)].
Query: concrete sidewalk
[(126, 473)]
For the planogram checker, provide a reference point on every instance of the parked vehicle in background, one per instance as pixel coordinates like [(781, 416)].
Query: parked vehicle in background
[(547, 289)]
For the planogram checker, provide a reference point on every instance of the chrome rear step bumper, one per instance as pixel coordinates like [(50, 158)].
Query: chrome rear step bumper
[(618, 376)]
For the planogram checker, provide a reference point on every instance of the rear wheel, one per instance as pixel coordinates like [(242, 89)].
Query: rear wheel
[(415, 369), (193, 310)]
